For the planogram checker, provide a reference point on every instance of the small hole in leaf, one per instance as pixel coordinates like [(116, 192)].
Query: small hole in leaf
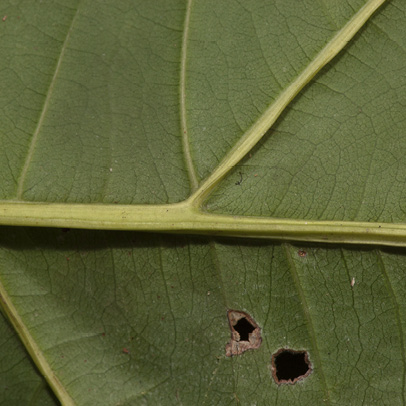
[(245, 333), (244, 329), (290, 366)]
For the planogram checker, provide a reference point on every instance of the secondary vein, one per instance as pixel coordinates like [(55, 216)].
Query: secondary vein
[(33, 348), (194, 183), (254, 134), (34, 139), (309, 322)]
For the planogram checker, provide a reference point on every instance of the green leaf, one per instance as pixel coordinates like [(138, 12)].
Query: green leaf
[(256, 119), (20, 382), (129, 318), (337, 152)]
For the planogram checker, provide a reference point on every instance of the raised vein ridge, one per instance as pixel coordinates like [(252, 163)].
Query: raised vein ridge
[(33, 348), (34, 139), (194, 183), (254, 134)]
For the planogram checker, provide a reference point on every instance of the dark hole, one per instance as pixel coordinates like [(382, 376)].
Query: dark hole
[(290, 365), (244, 328)]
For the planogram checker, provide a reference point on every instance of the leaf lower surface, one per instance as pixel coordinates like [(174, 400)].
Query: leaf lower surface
[(20, 381), (125, 318), (337, 151), (93, 113)]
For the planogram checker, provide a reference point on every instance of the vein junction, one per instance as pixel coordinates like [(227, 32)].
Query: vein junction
[(189, 216)]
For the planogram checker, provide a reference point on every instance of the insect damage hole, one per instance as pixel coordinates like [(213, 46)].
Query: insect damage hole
[(244, 328), (290, 366), (245, 333)]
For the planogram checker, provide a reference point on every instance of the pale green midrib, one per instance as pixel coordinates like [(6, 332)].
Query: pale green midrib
[(33, 349), (309, 322), (144, 215), (182, 218), (398, 320), (194, 183), (186, 217), (272, 113), (34, 139)]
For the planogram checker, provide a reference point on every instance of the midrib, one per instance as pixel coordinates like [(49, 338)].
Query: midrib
[(188, 215)]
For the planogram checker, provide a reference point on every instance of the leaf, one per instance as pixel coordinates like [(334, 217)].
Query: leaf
[(337, 152), (213, 118), (129, 318), (20, 382)]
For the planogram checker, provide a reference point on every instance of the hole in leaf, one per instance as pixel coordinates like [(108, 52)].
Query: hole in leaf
[(290, 366), (244, 329), (245, 333)]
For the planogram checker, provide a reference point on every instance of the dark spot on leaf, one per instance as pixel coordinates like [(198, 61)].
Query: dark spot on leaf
[(245, 333), (290, 366), (302, 253), (65, 230), (238, 183)]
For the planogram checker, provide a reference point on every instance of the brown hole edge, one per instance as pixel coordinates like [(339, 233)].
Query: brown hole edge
[(245, 333), (298, 378)]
